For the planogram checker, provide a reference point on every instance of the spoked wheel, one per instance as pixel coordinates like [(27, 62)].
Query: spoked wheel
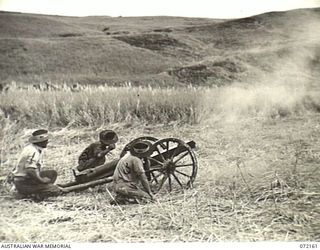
[(173, 165), (142, 138)]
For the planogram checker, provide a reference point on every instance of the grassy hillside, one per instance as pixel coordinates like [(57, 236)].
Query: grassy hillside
[(155, 51)]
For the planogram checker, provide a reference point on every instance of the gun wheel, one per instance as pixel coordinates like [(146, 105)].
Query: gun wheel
[(173, 165)]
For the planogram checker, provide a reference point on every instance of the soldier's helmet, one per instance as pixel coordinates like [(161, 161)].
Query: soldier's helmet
[(108, 137), (40, 135), (141, 148)]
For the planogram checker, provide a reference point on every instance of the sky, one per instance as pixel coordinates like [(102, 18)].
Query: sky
[(185, 8)]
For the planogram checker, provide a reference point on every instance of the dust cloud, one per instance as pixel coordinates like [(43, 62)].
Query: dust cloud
[(290, 87)]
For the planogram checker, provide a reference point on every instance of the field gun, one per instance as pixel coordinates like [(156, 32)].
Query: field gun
[(169, 164)]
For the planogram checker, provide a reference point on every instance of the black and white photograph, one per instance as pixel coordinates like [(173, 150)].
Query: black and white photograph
[(159, 122)]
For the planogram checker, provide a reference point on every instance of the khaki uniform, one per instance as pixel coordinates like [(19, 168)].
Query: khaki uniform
[(91, 166), (31, 157), (126, 179), (91, 152)]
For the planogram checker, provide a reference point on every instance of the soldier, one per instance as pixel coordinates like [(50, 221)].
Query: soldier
[(92, 160), (28, 176), (31, 180), (94, 154), (129, 173)]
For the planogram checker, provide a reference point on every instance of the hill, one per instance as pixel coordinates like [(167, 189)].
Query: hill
[(157, 51)]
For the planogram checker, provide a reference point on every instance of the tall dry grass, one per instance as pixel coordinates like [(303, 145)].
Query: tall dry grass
[(100, 105), (10, 136), (96, 106)]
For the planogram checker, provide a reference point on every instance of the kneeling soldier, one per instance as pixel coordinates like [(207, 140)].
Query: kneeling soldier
[(129, 173)]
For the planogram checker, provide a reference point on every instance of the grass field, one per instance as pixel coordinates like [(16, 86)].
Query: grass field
[(258, 150)]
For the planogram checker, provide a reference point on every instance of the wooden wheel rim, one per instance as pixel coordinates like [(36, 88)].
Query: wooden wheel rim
[(166, 166)]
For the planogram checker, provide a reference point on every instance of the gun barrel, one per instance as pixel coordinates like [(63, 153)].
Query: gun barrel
[(176, 150)]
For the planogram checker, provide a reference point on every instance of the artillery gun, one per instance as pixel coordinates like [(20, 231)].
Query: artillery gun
[(169, 164)]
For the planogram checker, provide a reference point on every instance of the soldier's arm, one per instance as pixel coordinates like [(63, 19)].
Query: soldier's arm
[(138, 167), (35, 174), (106, 151), (83, 159), (32, 168), (146, 185), (146, 167)]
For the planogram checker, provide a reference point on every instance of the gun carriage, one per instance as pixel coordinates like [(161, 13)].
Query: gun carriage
[(170, 164)]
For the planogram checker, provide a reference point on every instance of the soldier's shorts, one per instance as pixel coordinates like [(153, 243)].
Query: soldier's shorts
[(128, 192), (29, 186)]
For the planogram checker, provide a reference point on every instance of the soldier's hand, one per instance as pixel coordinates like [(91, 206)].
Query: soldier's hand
[(87, 171), (46, 180), (112, 146)]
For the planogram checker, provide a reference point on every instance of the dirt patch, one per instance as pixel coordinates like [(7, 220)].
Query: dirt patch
[(195, 74), (152, 41), (163, 30), (70, 35), (162, 43), (217, 72)]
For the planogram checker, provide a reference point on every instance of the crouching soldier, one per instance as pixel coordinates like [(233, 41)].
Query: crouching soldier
[(92, 161), (129, 173), (28, 176)]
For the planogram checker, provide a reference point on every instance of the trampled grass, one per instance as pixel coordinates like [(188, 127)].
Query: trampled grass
[(258, 180)]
